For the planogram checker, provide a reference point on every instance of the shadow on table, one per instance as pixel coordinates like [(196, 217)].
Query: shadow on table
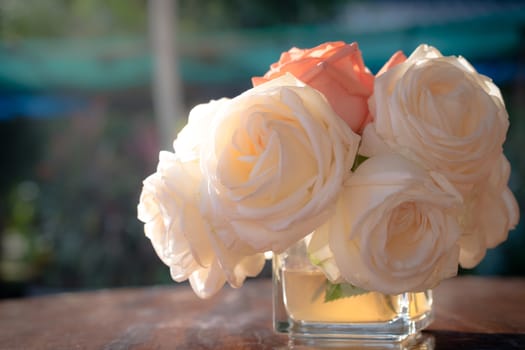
[(476, 341)]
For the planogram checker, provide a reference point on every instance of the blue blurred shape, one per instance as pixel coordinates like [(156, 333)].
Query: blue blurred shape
[(38, 106)]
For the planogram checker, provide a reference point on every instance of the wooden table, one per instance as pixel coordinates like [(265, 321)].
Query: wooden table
[(471, 313)]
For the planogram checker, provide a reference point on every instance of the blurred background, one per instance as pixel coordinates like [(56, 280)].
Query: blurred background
[(84, 112)]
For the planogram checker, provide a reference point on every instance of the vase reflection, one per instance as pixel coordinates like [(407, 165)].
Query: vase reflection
[(420, 341)]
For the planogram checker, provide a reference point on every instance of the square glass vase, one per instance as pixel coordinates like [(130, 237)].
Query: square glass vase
[(300, 309)]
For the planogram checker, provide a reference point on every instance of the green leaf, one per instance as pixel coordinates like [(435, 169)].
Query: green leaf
[(359, 159), (341, 290)]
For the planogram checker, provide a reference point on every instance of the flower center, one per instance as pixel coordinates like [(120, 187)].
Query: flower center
[(404, 227)]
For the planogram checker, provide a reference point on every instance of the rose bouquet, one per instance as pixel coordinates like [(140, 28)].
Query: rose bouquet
[(396, 178)]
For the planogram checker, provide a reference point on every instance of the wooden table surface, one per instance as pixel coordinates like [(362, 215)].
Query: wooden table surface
[(471, 313)]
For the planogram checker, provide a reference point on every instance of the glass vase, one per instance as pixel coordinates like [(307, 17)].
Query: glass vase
[(300, 308)]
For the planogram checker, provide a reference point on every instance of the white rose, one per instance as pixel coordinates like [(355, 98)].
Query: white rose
[(490, 212), (395, 228), (439, 112), (190, 139), (169, 207), (275, 160)]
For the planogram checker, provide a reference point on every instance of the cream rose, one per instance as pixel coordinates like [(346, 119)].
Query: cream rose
[(439, 112), (169, 207), (490, 212), (275, 160), (395, 228)]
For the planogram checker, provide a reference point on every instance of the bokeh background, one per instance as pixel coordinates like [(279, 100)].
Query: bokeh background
[(82, 116)]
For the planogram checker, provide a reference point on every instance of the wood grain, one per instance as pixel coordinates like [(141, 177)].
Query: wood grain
[(480, 305), (469, 312)]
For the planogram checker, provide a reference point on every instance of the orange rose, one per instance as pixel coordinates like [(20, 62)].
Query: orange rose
[(397, 58), (335, 69)]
